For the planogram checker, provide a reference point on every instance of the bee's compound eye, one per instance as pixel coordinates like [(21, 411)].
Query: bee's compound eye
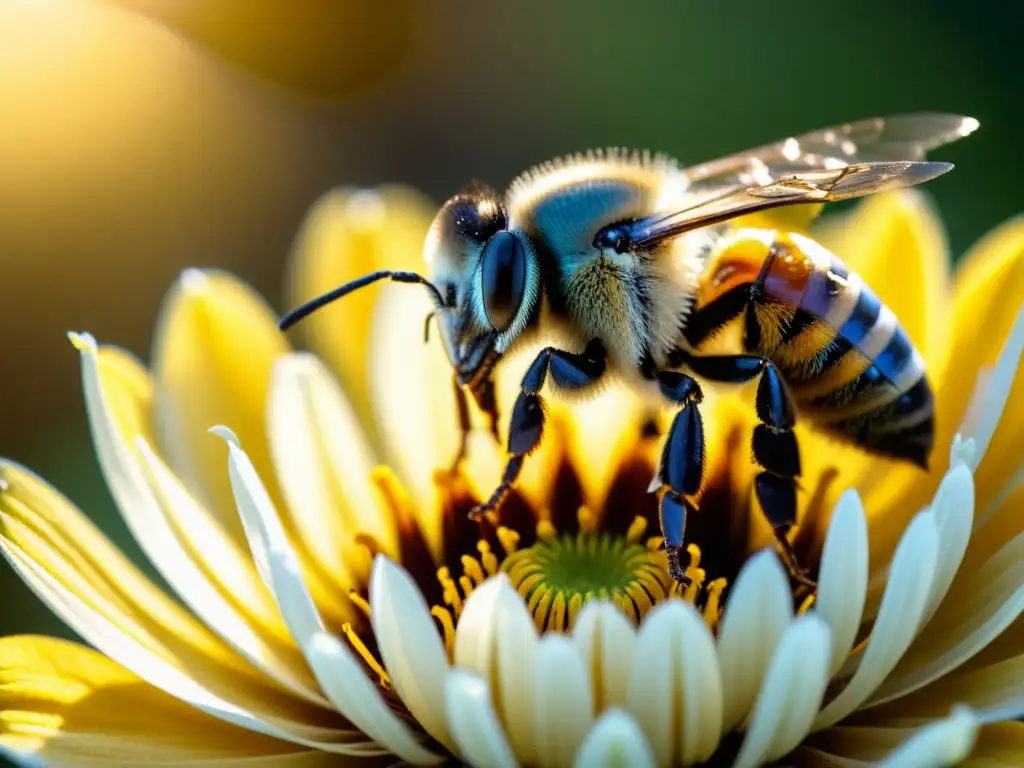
[(503, 277), (476, 217)]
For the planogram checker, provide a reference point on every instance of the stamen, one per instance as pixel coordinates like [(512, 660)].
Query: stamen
[(587, 520), (805, 606), (636, 529), (360, 603), (364, 652), (472, 568), (447, 626), (488, 558), (713, 607), (509, 539)]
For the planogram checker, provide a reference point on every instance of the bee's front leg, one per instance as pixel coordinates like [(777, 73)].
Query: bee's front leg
[(568, 371), (483, 394), (681, 470)]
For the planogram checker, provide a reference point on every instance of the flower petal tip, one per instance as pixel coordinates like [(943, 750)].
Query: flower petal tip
[(193, 281), (225, 434), (82, 341)]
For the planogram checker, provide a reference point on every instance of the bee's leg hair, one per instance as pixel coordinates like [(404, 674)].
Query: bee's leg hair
[(568, 371), (775, 447), (681, 469)]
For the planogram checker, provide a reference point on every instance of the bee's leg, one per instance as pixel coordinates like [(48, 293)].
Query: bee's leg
[(774, 444), (465, 425), (568, 371), (681, 470), (483, 393)]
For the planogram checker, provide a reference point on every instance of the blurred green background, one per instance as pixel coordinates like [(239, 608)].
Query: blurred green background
[(138, 137)]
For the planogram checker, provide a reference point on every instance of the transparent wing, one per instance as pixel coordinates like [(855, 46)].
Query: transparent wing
[(899, 137), (829, 164), (720, 204)]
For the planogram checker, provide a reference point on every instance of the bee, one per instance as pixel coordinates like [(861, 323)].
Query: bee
[(635, 266)]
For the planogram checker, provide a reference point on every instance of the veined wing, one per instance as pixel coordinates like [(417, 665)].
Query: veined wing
[(898, 137), (720, 204)]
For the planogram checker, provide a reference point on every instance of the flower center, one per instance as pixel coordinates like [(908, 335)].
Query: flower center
[(561, 571)]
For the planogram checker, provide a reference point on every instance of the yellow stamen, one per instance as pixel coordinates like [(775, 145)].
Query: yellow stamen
[(509, 539), (488, 558), (587, 520), (806, 604), (713, 607), (444, 616), (364, 652), (636, 529), (360, 603), (546, 530), (471, 567)]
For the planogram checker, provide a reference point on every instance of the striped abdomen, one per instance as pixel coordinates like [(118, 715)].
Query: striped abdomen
[(850, 366)]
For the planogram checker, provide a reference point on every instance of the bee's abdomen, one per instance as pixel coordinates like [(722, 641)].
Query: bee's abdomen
[(867, 383)]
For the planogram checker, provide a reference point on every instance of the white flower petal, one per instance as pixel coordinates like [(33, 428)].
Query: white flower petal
[(675, 686), (759, 609), (563, 704), (1000, 382), (903, 604), (615, 741), (496, 636), (273, 553), (344, 680), (474, 723), (981, 606), (791, 693), (843, 576), (337, 671), (140, 507), (476, 633), (953, 508), (410, 646), (605, 637), (945, 742), (323, 463)]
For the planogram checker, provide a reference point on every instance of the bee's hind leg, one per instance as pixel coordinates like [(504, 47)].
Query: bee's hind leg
[(775, 447), (681, 469), (568, 371)]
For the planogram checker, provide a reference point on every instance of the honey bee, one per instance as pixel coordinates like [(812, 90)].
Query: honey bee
[(632, 265)]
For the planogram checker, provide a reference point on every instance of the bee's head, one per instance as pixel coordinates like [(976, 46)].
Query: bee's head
[(488, 279)]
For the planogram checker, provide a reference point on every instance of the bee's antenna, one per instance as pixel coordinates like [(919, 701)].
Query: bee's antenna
[(312, 305), (426, 326)]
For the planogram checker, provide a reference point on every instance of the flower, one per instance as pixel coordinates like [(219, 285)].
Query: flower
[(337, 604)]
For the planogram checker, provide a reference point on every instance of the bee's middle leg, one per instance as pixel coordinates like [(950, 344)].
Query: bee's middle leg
[(775, 446), (568, 371), (681, 469)]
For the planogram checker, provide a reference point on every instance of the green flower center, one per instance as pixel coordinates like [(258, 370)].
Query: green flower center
[(560, 572)]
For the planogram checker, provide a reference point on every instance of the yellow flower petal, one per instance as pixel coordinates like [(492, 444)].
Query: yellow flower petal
[(999, 745), (323, 461), (347, 234), (104, 598), (988, 298), (215, 345), (413, 399), (182, 540), (66, 703)]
